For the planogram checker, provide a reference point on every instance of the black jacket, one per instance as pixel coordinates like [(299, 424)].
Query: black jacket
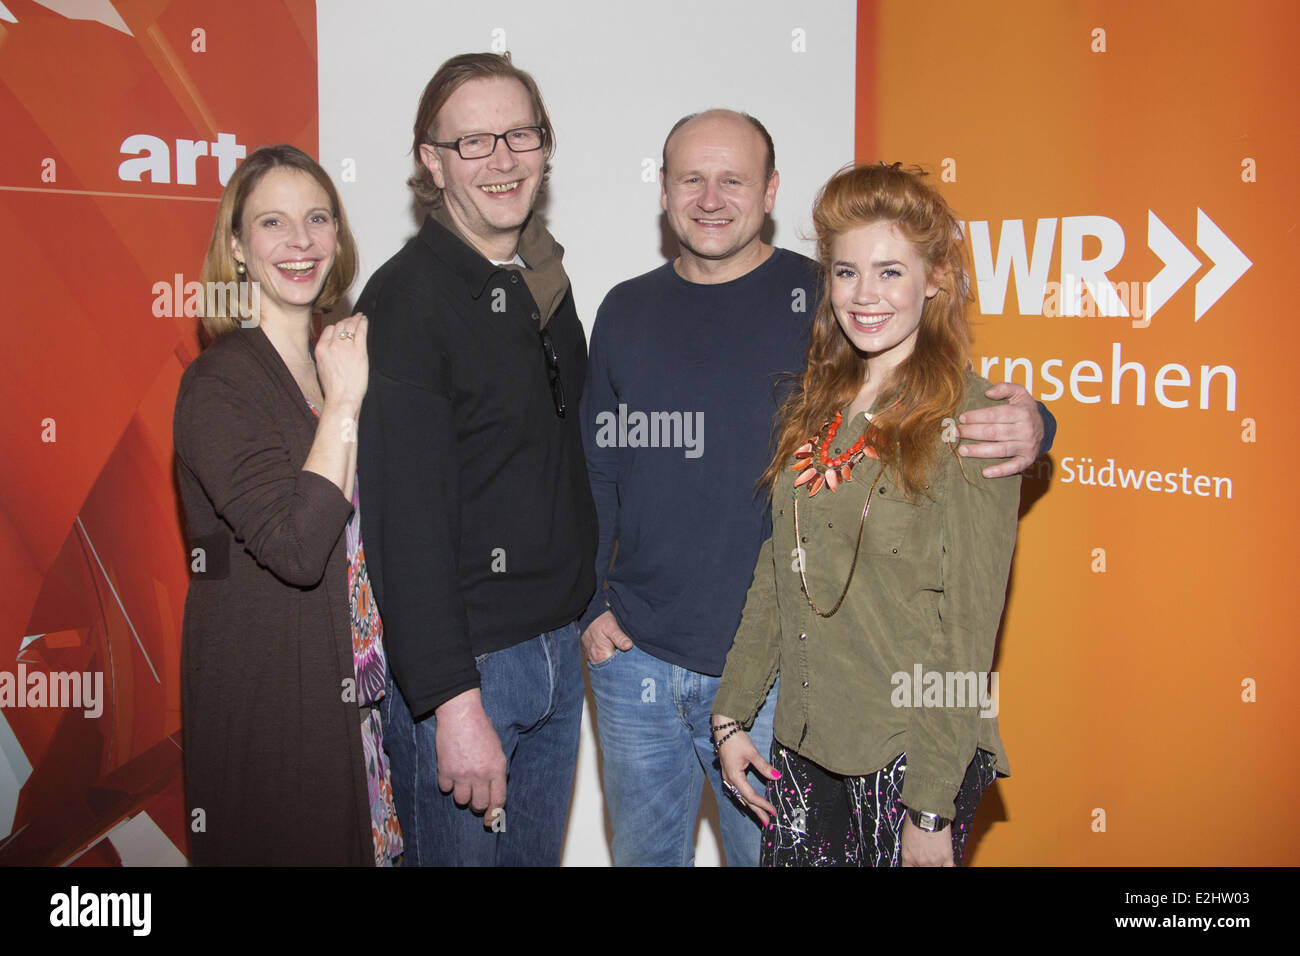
[(477, 517)]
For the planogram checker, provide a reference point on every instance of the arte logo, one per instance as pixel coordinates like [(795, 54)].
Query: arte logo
[(1035, 295), (154, 158)]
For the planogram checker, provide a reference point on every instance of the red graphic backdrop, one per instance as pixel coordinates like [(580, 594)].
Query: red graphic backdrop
[(91, 554)]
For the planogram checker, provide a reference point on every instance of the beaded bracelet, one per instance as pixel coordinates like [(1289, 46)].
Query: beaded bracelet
[(713, 731), (717, 744)]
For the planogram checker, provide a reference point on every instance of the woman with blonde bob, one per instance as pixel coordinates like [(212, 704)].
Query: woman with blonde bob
[(282, 655), (879, 594)]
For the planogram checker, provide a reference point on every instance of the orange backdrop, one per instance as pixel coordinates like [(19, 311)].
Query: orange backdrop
[(1140, 622)]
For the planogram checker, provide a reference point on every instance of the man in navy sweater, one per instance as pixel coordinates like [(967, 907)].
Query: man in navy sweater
[(683, 382)]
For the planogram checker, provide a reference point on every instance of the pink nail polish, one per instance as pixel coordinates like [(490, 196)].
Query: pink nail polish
[(776, 774)]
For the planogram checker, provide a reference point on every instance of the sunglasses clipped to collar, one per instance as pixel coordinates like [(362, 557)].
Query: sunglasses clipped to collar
[(553, 366)]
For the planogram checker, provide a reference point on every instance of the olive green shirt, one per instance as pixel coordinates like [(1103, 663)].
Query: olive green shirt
[(926, 596)]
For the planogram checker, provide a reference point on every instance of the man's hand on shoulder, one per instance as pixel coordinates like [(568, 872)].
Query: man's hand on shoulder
[(602, 637), (1013, 430), (471, 764)]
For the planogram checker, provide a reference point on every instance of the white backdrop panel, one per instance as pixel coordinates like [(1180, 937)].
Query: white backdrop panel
[(615, 77)]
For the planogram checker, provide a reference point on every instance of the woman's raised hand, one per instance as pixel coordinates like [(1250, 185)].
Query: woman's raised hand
[(342, 365)]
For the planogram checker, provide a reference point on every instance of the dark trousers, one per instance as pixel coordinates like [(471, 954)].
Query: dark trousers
[(824, 819)]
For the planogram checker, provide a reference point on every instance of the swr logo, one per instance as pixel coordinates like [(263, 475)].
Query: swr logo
[(1079, 274)]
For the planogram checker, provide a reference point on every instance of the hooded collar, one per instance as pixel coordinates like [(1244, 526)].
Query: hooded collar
[(545, 276)]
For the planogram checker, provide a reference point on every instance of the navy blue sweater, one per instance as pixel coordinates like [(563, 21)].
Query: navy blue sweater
[(682, 390)]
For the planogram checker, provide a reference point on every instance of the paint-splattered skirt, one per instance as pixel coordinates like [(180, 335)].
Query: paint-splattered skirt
[(824, 819)]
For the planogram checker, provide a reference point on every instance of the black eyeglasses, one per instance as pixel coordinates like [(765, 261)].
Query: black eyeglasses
[(553, 366), (525, 139)]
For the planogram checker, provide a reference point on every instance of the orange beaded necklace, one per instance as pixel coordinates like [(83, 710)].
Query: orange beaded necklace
[(821, 464)]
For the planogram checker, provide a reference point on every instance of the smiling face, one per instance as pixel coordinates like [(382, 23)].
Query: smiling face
[(878, 288), (287, 239), (490, 198), (716, 193)]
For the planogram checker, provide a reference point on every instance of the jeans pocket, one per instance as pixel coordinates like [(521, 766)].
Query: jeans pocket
[(597, 665)]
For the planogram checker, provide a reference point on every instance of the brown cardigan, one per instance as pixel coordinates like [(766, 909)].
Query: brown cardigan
[(273, 752)]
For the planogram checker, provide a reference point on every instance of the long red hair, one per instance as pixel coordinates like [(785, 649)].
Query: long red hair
[(928, 386)]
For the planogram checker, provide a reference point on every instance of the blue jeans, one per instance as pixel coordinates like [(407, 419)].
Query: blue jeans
[(653, 721), (532, 694)]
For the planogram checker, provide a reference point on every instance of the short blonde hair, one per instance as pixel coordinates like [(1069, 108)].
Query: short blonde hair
[(219, 264)]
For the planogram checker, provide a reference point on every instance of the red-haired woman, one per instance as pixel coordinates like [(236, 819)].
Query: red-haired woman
[(879, 594)]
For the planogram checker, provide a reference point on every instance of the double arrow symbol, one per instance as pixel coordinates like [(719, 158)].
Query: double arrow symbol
[(1230, 263)]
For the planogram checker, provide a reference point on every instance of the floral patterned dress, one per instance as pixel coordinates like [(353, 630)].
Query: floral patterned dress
[(371, 666)]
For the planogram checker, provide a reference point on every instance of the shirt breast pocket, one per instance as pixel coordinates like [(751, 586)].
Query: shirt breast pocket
[(889, 523)]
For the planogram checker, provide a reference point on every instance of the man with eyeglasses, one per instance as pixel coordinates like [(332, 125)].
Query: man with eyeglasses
[(477, 519)]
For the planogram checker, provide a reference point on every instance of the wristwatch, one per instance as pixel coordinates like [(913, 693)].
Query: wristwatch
[(929, 822)]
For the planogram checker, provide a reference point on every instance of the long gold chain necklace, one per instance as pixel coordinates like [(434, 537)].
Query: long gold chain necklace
[(807, 592), (818, 468)]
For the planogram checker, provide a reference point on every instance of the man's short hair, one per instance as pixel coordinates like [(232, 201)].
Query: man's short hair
[(450, 77), (753, 121)]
